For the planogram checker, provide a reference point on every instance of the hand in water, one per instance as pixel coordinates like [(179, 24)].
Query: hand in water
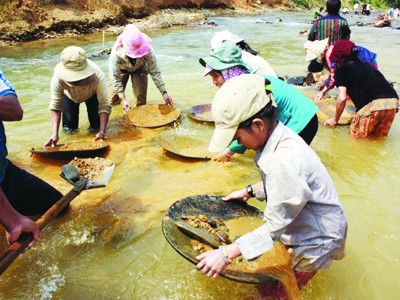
[(52, 141), (330, 122), (100, 136), (211, 263)]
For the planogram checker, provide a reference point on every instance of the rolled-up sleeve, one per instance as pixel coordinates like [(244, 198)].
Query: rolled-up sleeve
[(102, 95), (56, 94)]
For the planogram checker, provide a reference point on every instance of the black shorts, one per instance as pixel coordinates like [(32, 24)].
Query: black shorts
[(28, 194)]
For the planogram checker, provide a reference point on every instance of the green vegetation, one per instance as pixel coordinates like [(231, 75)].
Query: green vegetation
[(381, 4)]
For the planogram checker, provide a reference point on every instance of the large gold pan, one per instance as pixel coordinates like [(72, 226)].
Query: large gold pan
[(327, 109), (185, 145), (153, 115), (73, 149), (201, 112), (212, 206)]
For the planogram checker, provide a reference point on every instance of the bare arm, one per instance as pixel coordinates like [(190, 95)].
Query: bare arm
[(340, 105), (15, 223), (11, 109), (242, 194), (103, 125), (55, 121)]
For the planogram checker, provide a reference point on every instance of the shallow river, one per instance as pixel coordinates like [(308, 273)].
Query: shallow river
[(110, 244)]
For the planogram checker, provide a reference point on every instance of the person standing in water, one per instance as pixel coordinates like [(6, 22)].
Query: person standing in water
[(303, 212), (77, 79), (132, 56), (255, 63), (329, 26), (294, 109), (375, 99)]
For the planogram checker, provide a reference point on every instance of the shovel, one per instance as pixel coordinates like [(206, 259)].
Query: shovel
[(71, 174)]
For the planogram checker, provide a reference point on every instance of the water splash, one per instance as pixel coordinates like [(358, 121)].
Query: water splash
[(50, 284)]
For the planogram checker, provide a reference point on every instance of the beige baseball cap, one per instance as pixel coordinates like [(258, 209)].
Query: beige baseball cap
[(74, 65), (236, 101)]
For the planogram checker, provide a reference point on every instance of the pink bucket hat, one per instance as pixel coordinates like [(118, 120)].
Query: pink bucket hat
[(135, 43)]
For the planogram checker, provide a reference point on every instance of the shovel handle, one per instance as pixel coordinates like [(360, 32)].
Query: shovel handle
[(20, 245)]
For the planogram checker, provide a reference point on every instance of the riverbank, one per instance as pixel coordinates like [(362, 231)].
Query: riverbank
[(26, 21)]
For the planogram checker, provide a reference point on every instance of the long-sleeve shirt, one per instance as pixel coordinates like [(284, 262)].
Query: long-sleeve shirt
[(5, 89), (94, 84), (257, 64), (303, 208), (119, 63), (329, 26)]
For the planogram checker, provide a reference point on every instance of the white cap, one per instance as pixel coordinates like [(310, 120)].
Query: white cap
[(236, 101), (223, 36)]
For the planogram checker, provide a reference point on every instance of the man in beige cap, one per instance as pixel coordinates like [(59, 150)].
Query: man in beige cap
[(303, 211), (77, 79)]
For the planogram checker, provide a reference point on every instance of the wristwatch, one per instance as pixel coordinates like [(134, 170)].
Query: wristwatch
[(249, 190)]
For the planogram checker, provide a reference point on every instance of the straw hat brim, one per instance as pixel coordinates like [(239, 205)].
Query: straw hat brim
[(71, 75)]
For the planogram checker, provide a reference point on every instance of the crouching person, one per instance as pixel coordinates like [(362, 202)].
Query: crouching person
[(303, 208)]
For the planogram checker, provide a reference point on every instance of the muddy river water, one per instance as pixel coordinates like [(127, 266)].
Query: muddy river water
[(110, 244)]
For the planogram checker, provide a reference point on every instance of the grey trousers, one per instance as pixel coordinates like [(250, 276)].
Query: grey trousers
[(139, 82)]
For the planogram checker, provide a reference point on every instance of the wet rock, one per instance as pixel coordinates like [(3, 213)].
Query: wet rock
[(296, 80)]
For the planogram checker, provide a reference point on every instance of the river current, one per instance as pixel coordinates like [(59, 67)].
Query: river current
[(110, 244)]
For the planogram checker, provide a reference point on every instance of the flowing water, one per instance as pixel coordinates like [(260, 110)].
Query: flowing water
[(110, 244)]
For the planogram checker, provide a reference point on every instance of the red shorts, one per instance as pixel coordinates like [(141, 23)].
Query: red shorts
[(377, 124)]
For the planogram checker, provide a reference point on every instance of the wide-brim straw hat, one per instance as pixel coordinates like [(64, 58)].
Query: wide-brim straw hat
[(315, 49), (74, 65)]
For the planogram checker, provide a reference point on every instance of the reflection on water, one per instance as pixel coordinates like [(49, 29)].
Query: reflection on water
[(110, 245)]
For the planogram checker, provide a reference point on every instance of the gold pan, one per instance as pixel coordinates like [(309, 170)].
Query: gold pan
[(72, 149), (239, 218), (153, 115), (201, 113), (185, 145)]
